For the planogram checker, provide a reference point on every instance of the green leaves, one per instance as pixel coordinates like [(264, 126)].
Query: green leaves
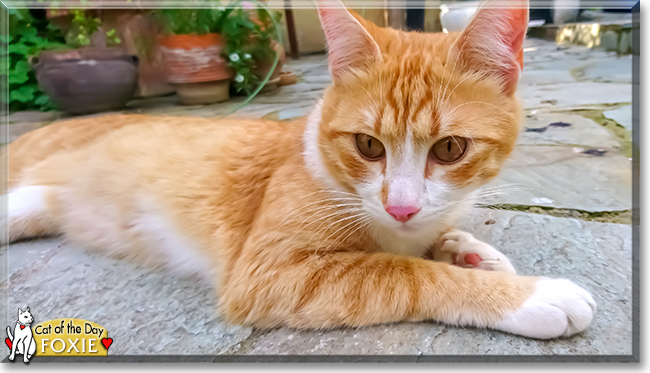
[(43, 100), (20, 73), (190, 21), (83, 26), (249, 34), (112, 38), (23, 94), (27, 37)]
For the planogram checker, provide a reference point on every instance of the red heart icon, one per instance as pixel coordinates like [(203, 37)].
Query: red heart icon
[(107, 342), (8, 342)]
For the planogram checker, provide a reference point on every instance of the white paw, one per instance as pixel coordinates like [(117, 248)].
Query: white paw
[(468, 252), (557, 308)]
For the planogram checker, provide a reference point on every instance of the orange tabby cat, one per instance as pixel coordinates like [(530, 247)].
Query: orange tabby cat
[(319, 223)]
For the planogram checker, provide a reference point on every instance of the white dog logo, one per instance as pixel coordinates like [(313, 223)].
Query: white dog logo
[(22, 342)]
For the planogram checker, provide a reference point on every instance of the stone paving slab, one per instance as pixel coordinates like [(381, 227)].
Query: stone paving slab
[(155, 313), (565, 129), (552, 58), (144, 312), (546, 77), (10, 133), (33, 116), (571, 95), (611, 70), (565, 177)]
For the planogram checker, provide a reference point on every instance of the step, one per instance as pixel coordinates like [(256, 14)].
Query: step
[(607, 31)]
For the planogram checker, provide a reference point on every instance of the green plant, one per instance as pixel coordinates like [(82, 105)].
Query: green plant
[(83, 26), (249, 40), (191, 21), (27, 37), (266, 33)]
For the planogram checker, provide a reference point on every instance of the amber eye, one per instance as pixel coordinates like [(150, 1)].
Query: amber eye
[(449, 150), (369, 147)]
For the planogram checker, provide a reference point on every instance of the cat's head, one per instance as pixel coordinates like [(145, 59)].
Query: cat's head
[(25, 317), (414, 123)]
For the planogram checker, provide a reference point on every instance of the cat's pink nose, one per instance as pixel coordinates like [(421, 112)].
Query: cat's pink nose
[(402, 213)]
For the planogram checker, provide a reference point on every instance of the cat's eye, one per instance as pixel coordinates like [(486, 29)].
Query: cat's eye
[(449, 150), (369, 147)]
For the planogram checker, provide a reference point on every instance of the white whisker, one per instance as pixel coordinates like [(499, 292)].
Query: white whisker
[(478, 102), (446, 99), (301, 210), (469, 135), (301, 227), (355, 221), (324, 229), (365, 222)]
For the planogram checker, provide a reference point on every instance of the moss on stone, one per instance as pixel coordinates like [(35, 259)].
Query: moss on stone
[(618, 217), (623, 136)]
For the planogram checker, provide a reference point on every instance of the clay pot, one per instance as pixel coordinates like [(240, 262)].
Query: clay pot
[(263, 68), (287, 78), (195, 67), (84, 81)]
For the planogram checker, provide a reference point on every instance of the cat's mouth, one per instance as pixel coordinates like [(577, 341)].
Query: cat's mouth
[(405, 227), (407, 230)]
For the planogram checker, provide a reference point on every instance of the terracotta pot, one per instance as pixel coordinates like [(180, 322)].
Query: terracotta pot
[(287, 78), (203, 93), (84, 81), (194, 59), (263, 68)]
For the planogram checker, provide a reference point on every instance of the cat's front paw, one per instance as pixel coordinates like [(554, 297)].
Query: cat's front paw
[(468, 252), (12, 357), (557, 308)]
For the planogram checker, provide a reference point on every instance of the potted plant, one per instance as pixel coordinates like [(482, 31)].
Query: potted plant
[(252, 47), (192, 46), (91, 75), (196, 38)]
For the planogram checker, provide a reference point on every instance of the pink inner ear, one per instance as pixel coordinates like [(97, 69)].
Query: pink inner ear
[(518, 24), (517, 21), (493, 43), (350, 45)]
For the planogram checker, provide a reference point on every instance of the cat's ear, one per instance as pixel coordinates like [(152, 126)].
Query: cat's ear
[(492, 42), (20, 312), (27, 310), (350, 46)]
